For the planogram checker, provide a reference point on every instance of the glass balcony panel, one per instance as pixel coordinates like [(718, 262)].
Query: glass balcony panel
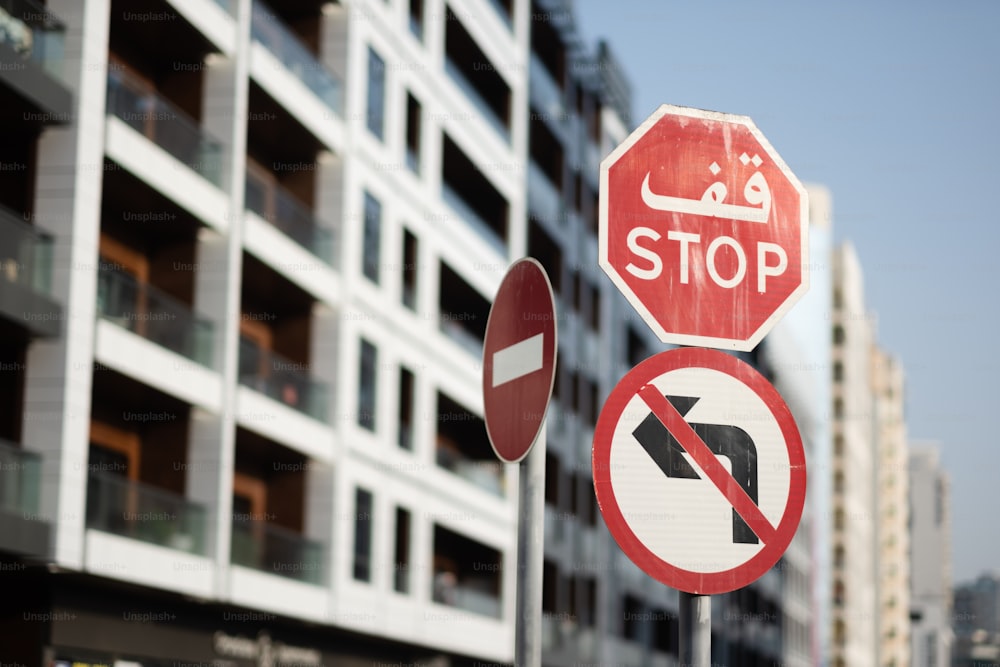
[(20, 475), (165, 125), (544, 200), (278, 207), (34, 33), (282, 380), (467, 597), (135, 510), (486, 474), (545, 93), (502, 13), (464, 211), (25, 253), (470, 92), (267, 28), (157, 317), (276, 550)]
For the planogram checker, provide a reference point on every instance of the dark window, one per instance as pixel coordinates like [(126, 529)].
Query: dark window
[(413, 114), (409, 272), (362, 535), (402, 556), (366, 386), (376, 93), (405, 409), (372, 238)]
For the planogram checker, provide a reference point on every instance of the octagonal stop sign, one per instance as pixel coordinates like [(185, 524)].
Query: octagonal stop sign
[(703, 228)]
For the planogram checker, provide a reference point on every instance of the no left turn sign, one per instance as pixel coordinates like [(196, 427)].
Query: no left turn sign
[(699, 470)]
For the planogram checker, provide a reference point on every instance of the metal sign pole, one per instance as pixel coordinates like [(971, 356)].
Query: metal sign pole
[(530, 554), (695, 630)]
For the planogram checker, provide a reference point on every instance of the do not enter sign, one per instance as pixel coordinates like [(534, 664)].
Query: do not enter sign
[(703, 228)]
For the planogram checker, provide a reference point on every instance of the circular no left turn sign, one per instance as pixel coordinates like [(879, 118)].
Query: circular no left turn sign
[(699, 470)]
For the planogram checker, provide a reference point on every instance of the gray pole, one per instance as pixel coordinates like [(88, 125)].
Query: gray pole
[(695, 630), (530, 554)]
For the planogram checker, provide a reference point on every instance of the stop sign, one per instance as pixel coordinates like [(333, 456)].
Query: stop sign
[(703, 228)]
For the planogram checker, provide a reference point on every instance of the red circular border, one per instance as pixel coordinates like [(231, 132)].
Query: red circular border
[(698, 583)]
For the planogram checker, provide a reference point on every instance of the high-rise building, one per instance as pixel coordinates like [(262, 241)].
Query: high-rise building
[(930, 558), (248, 252), (976, 622), (853, 511), (892, 507)]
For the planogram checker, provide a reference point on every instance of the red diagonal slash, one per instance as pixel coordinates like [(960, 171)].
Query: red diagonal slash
[(706, 460)]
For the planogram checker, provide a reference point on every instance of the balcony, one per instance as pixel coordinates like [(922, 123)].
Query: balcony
[(165, 125), (270, 31), (128, 508), (33, 33), (473, 95), (483, 473), (270, 548), (285, 381), (26, 276), (31, 63), (21, 528), (544, 93), (153, 315), (20, 471), (455, 201), (544, 200), (278, 207)]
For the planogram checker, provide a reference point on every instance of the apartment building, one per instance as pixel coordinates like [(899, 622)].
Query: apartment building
[(892, 507), (853, 511), (255, 251), (931, 635)]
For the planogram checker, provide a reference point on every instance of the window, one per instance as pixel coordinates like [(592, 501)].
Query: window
[(372, 238), (417, 18), (409, 272), (376, 94), (405, 409), (413, 133), (362, 534), (366, 386), (402, 557)]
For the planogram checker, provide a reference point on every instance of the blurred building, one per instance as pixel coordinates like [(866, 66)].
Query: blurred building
[(248, 253), (853, 513), (892, 507), (976, 622), (930, 558)]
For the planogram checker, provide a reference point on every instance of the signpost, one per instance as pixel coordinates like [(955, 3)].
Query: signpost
[(519, 363), (703, 228), (698, 465)]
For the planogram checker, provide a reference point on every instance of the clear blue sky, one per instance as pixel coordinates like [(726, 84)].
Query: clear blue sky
[(895, 107)]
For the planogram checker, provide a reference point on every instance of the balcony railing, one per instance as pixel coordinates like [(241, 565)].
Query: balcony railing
[(276, 550), (157, 317), (20, 475), (463, 596), (131, 509), (283, 380), (474, 220), (34, 33), (165, 125), (277, 206), (473, 95), (267, 28), (25, 253), (545, 94), (484, 473), (544, 200)]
